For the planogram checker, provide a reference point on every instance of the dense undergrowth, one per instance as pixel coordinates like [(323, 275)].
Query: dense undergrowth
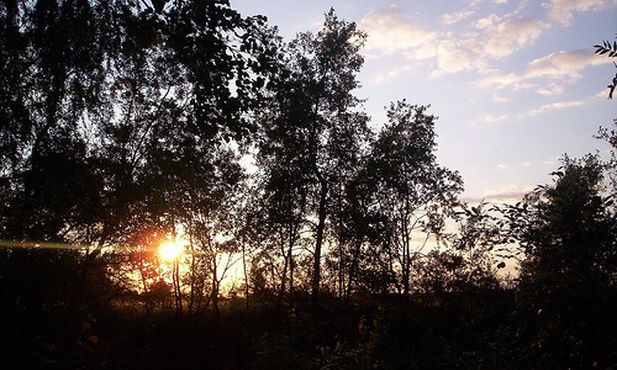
[(475, 329)]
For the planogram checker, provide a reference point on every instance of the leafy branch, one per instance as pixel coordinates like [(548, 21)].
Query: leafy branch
[(611, 49), (607, 47)]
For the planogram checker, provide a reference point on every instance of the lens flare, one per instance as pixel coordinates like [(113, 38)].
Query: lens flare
[(170, 250)]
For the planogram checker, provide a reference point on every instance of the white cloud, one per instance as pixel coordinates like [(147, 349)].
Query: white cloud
[(452, 58), (498, 80), (561, 10), (478, 2), (553, 161), (504, 166), (392, 74), (560, 68), (392, 30), (457, 17), (563, 64), (488, 118), (551, 89), (426, 51), (488, 21), (506, 37), (507, 194), (554, 106), (498, 98), (493, 38)]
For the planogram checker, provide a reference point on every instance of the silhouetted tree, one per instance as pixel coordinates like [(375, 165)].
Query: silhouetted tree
[(567, 282), (212, 225), (314, 133), (413, 194), (108, 107), (470, 255), (51, 73)]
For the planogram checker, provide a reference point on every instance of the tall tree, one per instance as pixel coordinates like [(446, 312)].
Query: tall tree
[(51, 75), (212, 225), (413, 193), (315, 134)]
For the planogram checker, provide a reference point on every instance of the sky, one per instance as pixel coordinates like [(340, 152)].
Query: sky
[(515, 84)]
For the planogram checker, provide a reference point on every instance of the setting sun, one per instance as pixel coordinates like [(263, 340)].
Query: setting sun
[(170, 250)]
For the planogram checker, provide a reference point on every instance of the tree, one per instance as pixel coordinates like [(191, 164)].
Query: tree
[(567, 281), (413, 194), (106, 106), (469, 260), (212, 225), (313, 136), (278, 223), (51, 75)]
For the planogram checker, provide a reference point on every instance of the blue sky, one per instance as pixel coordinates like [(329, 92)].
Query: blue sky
[(515, 84)]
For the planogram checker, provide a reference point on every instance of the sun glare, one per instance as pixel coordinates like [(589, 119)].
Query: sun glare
[(170, 250)]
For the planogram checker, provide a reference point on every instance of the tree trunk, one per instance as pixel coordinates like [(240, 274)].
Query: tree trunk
[(177, 291), (215, 292), (283, 285), (292, 241), (321, 225), (352, 268), (246, 278)]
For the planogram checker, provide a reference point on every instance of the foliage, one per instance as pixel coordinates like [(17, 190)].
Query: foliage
[(471, 255), (611, 51), (567, 283), (412, 193), (311, 138)]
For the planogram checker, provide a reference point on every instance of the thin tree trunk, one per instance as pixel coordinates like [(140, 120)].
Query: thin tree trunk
[(246, 277), (353, 267), (215, 288), (283, 285), (178, 293), (193, 294), (292, 241), (318, 243)]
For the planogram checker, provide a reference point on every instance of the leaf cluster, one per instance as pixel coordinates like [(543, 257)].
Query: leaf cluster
[(609, 49)]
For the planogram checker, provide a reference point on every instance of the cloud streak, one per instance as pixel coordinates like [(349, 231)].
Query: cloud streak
[(504, 166), (488, 119), (554, 106), (510, 194), (452, 18), (563, 64), (558, 69)]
